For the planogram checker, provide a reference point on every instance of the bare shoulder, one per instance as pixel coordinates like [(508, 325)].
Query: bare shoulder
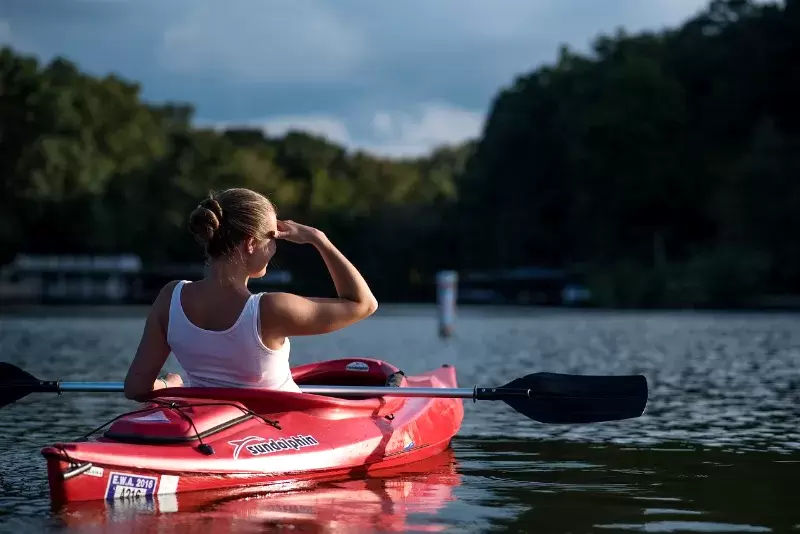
[(272, 303), (166, 291), (161, 304), (275, 312)]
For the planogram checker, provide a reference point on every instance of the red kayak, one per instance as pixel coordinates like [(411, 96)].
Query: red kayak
[(191, 439)]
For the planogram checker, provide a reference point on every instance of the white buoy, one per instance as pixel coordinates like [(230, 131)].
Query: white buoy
[(446, 293)]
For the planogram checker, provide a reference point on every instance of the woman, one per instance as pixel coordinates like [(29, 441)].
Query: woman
[(220, 333)]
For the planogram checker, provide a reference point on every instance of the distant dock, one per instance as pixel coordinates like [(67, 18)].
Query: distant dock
[(524, 285), (99, 279)]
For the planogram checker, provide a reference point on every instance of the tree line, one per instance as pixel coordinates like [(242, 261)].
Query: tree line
[(664, 166), (660, 168)]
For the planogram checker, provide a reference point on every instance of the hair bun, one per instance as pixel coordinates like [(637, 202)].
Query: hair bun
[(205, 220), (213, 206), (247, 214)]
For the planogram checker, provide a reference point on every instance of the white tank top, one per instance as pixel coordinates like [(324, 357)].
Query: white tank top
[(236, 357)]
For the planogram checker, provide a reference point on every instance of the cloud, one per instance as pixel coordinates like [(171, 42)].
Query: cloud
[(325, 126), (409, 134), (394, 133), (5, 31), (262, 41), (397, 78), (383, 123)]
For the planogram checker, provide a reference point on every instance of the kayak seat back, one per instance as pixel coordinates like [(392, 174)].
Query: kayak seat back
[(345, 372)]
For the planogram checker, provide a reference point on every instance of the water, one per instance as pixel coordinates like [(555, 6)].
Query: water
[(718, 449)]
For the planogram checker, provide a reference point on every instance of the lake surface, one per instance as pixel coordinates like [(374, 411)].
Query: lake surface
[(718, 449)]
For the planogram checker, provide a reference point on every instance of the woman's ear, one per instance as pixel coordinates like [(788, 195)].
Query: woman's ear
[(250, 243)]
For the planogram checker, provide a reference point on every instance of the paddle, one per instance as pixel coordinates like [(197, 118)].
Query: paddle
[(543, 397)]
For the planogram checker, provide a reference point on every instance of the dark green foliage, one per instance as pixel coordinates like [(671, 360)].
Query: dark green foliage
[(664, 167), (88, 167)]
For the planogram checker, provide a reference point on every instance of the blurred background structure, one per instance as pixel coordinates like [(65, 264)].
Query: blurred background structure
[(657, 167)]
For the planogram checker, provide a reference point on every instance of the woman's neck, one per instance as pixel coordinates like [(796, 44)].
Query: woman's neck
[(228, 274)]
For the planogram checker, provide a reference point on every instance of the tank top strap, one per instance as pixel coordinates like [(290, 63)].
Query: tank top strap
[(255, 308), (175, 310)]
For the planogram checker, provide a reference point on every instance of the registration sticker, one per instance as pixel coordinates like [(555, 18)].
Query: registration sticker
[(127, 486), (95, 471)]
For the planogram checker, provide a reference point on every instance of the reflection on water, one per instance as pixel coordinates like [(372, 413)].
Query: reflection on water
[(396, 500), (718, 449), (580, 487), (491, 485)]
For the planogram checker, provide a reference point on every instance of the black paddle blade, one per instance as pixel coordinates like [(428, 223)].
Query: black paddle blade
[(14, 383), (557, 398)]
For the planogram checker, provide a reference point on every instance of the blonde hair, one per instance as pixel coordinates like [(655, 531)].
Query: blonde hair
[(225, 219)]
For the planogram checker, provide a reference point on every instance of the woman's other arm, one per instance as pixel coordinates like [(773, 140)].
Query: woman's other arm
[(153, 351)]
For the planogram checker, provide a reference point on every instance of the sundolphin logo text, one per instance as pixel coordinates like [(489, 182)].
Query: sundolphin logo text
[(257, 445)]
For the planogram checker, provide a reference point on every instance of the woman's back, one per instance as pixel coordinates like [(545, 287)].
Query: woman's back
[(230, 352), (222, 335)]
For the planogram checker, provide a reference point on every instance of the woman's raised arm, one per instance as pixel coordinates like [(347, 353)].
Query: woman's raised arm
[(285, 314)]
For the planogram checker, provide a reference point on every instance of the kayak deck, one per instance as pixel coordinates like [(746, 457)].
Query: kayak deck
[(191, 439)]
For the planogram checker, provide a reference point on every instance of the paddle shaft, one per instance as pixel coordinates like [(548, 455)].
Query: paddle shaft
[(543, 397), (359, 391)]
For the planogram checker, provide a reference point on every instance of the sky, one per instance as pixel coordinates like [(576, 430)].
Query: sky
[(393, 78)]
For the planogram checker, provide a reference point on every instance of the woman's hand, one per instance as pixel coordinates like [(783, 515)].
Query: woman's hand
[(172, 380), (297, 233)]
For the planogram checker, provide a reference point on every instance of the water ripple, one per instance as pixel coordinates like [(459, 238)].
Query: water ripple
[(716, 450)]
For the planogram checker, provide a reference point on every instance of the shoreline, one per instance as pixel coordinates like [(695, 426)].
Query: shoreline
[(394, 308)]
